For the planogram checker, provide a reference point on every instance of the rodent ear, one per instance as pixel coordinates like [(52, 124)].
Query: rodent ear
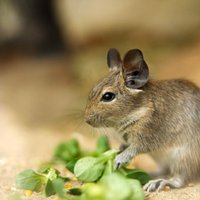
[(113, 59), (135, 69)]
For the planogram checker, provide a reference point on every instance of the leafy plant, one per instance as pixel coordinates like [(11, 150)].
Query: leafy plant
[(94, 169), (103, 145), (29, 180), (138, 174), (67, 151), (113, 186), (44, 180), (71, 164), (90, 169)]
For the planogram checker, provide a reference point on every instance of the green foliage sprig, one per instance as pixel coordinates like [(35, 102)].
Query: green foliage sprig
[(94, 170)]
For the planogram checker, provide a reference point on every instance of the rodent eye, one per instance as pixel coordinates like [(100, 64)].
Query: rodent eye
[(108, 96)]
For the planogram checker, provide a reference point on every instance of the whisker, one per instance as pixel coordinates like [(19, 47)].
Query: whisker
[(73, 113), (70, 119), (89, 130)]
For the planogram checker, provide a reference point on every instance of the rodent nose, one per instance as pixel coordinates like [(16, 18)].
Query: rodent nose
[(88, 119)]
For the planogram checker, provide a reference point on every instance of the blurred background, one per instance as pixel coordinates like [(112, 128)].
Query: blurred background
[(52, 52)]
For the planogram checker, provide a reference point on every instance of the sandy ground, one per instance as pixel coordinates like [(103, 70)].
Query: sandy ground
[(23, 147)]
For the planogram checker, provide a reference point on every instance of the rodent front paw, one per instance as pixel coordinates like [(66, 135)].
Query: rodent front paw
[(120, 160)]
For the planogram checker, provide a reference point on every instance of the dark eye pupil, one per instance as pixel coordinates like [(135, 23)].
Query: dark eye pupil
[(108, 96)]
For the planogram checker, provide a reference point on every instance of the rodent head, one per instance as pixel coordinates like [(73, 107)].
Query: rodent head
[(119, 94)]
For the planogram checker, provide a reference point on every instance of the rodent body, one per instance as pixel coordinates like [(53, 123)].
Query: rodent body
[(171, 126), (150, 116)]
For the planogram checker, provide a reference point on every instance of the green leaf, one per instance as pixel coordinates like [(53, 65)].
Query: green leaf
[(93, 191), (117, 187), (113, 187), (71, 164), (89, 169), (102, 145), (138, 193), (75, 191), (138, 174), (52, 174), (64, 178), (58, 185), (109, 169), (45, 170), (67, 151), (110, 154), (49, 189), (29, 180)]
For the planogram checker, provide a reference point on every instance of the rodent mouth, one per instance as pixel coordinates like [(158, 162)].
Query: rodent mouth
[(93, 124), (96, 121), (90, 119)]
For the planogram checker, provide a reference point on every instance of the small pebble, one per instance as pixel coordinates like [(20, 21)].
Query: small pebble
[(13, 189), (148, 195), (68, 185), (190, 184), (167, 188), (3, 161), (74, 178), (28, 193)]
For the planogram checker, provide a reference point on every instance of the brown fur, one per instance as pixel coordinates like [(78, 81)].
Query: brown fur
[(168, 120)]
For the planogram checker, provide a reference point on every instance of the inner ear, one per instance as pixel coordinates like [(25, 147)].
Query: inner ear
[(113, 59), (135, 70)]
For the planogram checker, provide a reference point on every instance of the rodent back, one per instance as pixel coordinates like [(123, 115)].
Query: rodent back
[(176, 113)]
